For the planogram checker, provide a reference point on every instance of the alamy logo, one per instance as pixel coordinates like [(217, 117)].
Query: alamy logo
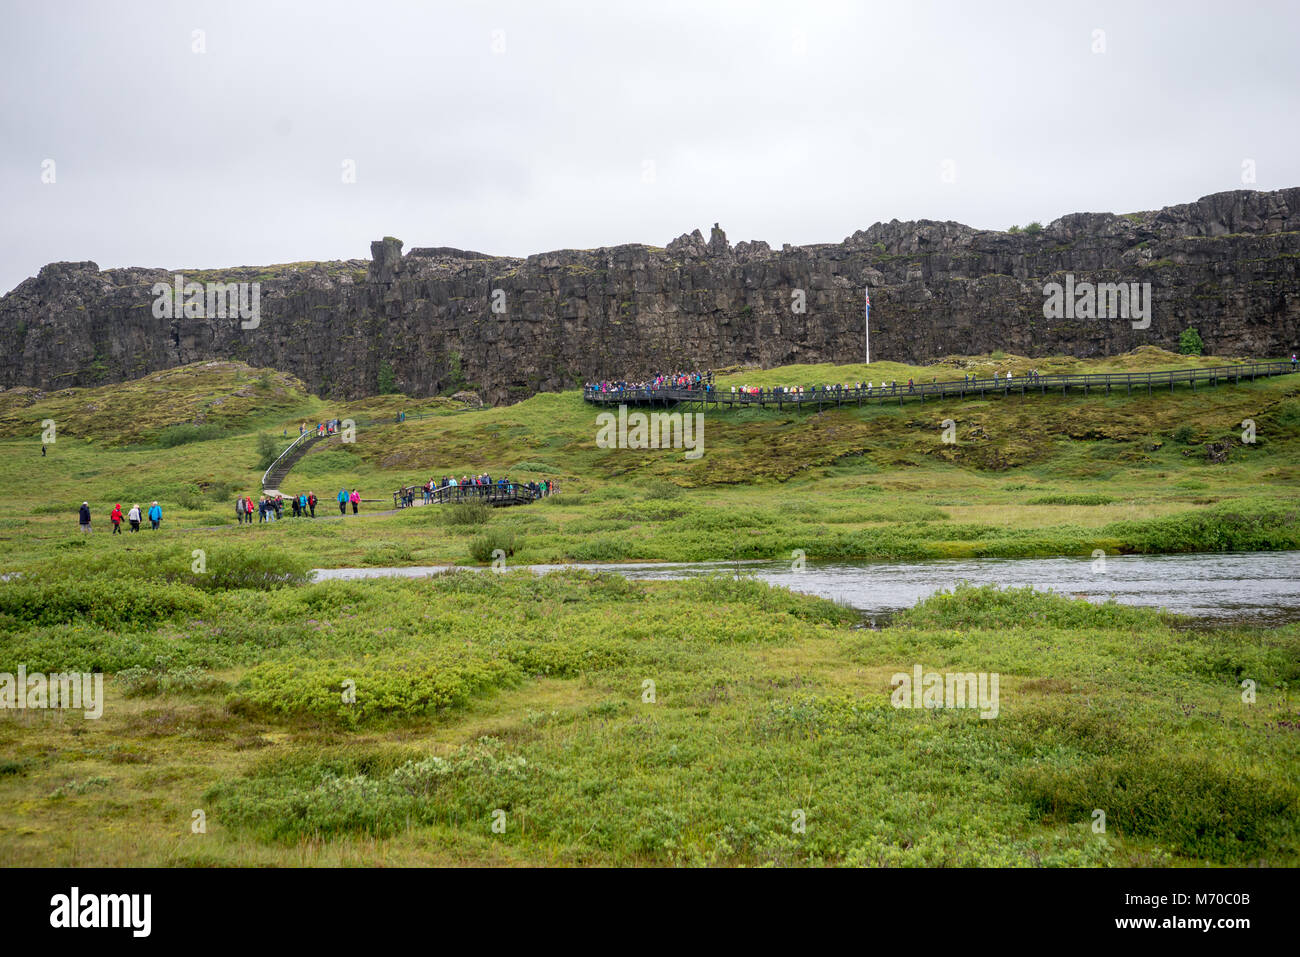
[(922, 689), (75, 690), (658, 430), (1103, 300), (103, 910), (209, 300)]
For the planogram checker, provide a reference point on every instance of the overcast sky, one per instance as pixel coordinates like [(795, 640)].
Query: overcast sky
[(516, 128)]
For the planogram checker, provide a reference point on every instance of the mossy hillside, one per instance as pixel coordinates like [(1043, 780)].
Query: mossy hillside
[(1031, 475)]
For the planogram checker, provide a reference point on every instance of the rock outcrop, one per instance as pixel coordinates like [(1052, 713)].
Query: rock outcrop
[(440, 320)]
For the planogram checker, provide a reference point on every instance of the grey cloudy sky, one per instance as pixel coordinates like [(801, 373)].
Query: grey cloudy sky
[(592, 124)]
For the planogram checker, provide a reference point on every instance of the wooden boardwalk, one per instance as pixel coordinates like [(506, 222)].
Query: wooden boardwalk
[(1083, 384)]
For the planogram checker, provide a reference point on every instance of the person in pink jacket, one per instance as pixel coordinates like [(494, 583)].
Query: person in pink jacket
[(355, 499)]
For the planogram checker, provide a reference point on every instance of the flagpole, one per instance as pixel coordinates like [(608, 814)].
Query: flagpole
[(867, 322)]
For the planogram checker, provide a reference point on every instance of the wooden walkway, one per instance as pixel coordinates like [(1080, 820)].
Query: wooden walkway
[(1083, 384)]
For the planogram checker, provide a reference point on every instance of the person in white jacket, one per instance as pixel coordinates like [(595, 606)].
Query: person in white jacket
[(133, 517)]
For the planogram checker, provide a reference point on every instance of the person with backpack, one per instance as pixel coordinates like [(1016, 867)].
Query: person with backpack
[(133, 517), (297, 510), (355, 499), (155, 516), (311, 504), (83, 517), (239, 509), (343, 501), (116, 519)]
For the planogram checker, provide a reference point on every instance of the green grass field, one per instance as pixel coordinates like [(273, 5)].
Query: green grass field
[(598, 721)]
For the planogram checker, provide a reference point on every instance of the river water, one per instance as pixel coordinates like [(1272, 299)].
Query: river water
[(1257, 587)]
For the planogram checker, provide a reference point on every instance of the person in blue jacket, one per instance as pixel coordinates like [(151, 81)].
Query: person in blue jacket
[(343, 501), (155, 515)]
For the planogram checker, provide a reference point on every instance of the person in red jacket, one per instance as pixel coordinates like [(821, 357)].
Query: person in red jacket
[(116, 519)]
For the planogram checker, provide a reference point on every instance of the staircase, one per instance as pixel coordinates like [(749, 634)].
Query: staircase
[(287, 459)]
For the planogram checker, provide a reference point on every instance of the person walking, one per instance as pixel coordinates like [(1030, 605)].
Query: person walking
[(343, 501), (116, 519), (155, 516), (133, 516), (355, 499), (239, 509), (311, 504), (83, 517)]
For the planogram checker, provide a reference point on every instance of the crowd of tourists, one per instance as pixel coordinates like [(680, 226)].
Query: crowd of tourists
[(322, 429), (468, 487), (132, 517), (270, 508), (701, 381)]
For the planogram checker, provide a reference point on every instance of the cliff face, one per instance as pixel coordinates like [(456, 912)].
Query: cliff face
[(1226, 265)]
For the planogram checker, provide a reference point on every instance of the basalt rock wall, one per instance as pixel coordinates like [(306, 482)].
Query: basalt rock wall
[(442, 319)]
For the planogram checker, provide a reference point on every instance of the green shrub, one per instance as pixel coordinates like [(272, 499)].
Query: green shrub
[(105, 602), (466, 513), (219, 568), (1239, 527), (403, 688), (1190, 804), (138, 682), (1190, 343), (186, 432), (657, 489), (363, 792), (606, 548), (482, 547), (267, 450), (190, 498), (1085, 498), (992, 608)]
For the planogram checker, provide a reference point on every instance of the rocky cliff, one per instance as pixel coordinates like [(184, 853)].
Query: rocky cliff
[(438, 319)]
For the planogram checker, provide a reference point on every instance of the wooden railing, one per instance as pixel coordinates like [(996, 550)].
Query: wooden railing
[(1084, 383)]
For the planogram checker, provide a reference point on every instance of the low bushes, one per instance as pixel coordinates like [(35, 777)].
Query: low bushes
[(187, 432), (467, 513), (103, 602), (1081, 499), (368, 792), (484, 547), (352, 692), (993, 608), (1194, 805)]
